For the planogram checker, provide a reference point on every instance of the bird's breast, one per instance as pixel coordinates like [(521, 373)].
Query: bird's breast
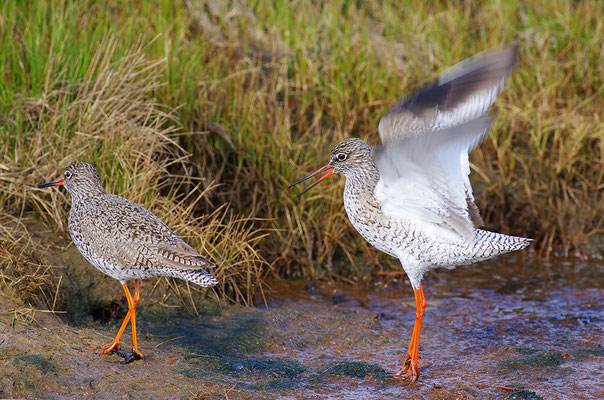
[(373, 225)]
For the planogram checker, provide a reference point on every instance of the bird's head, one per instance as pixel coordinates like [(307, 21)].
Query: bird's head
[(80, 179), (345, 158)]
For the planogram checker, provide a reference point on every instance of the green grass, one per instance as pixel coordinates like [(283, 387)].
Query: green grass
[(238, 99)]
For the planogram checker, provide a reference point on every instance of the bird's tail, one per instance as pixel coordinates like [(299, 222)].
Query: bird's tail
[(198, 276), (490, 244)]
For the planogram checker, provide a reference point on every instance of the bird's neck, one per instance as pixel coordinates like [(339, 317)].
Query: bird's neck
[(360, 186), (88, 194)]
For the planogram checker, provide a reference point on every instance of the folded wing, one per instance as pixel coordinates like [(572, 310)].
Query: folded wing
[(141, 239), (181, 257)]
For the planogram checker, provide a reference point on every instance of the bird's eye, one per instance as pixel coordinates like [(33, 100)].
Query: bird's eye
[(341, 156), (67, 174)]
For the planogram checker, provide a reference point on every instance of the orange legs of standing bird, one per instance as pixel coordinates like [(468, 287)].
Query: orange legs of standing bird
[(114, 346), (410, 365)]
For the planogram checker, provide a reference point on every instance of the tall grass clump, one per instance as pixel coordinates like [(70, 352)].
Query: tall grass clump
[(23, 273)]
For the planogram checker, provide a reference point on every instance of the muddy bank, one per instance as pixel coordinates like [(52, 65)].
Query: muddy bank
[(509, 323)]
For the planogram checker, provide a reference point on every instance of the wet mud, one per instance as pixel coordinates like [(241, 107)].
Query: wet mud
[(511, 328)]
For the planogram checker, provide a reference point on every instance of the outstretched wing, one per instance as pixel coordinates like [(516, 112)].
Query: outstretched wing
[(461, 94), (422, 179)]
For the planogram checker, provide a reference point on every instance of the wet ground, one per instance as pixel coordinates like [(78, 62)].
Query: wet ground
[(511, 328)]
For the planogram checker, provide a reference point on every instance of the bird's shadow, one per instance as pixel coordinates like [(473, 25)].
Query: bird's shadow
[(236, 347), (226, 347)]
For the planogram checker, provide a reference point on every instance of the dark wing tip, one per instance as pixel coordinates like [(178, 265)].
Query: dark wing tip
[(456, 84)]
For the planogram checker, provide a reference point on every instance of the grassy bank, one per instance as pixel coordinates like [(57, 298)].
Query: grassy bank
[(186, 106)]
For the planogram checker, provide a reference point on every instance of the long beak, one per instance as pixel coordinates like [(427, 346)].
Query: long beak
[(58, 182), (327, 167)]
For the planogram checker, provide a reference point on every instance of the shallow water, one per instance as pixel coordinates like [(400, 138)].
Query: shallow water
[(531, 327), (503, 323)]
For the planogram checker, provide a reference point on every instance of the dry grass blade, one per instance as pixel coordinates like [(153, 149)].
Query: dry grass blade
[(22, 272)]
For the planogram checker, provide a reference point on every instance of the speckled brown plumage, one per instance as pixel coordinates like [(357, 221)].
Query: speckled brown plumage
[(125, 241)]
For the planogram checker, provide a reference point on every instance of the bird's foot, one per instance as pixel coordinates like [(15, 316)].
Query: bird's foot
[(410, 369), (129, 357), (109, 348)]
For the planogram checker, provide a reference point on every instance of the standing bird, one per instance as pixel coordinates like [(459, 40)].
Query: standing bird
[(125, 241), (410, 197)]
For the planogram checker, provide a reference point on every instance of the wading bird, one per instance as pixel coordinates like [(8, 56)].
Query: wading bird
[(125, 241), (410, 197)]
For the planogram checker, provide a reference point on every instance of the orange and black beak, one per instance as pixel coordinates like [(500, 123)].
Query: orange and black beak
[(327, 167), (58, 182)]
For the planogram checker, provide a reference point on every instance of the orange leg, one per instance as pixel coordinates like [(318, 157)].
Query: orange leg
[(114, 346), (135, 300), (410, 365)]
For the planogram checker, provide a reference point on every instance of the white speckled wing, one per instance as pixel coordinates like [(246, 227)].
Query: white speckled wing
[(461, 93), (423, 180)]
